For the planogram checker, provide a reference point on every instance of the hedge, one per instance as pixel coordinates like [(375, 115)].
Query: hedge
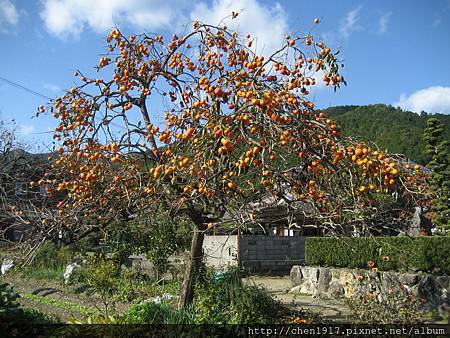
[(402, 254)]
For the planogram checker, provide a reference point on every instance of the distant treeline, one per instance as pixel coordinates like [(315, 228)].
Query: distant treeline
[(389, 127)]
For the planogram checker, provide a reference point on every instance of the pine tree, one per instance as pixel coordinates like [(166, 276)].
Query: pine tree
[(436, 147)]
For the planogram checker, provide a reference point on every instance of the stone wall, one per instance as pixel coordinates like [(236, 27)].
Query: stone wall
[(431, 291)]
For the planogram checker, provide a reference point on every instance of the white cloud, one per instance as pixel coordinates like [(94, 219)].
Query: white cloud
[(349, 23), (432, 100), (70, 17), (383, 22), (8, 14), (436, 22), (266, 23), (52, 87), (25, 129)]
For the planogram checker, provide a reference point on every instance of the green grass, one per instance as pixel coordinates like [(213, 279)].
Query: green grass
[(39, 317), (43, 273), (62, 304)]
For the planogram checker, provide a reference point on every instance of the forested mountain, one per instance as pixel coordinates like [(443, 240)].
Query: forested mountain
[(389, 127)]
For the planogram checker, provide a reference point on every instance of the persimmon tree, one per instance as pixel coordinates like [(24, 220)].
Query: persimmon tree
[(202, 124)]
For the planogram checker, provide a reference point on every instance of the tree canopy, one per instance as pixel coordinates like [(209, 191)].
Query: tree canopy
[(203, 125), (390, 128), (437, 149)]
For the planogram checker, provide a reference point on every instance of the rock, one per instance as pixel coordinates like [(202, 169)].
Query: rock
[(390, 283), (335, 290), (443, 286), (373, 275), (309, 287), (413, 270), (414, 290), (159, 299), (349, 282), (346, 277), (427, 293), (295, 289), (414, 228), (310, 273), (444, 310), (324, 279), (409, 279), (335, 274), (68, 272), (163, 298), (7, 264), (419, 224), (296, 275), (443, 282)]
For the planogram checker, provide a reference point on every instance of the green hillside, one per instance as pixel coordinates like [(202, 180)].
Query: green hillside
[(389, 127)]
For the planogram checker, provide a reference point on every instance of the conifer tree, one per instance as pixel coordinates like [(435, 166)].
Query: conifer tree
[(436, 147)]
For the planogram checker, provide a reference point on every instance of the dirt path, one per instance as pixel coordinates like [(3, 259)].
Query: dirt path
[(279, 287), (59, 301), (55, 299)]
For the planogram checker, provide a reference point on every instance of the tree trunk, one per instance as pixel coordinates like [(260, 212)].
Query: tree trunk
[(192, 268)]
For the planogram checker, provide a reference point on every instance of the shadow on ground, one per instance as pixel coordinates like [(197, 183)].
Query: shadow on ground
[(45, 291)]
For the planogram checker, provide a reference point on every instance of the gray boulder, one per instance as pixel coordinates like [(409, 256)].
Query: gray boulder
[(408, 279), (335, 290), (308, 287), (390, 282), (419, 223), (295, 289), (324, 279), (427, 292), (310, 273), (296, 275)]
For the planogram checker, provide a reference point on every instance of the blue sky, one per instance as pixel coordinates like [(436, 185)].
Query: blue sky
[(395, 52)]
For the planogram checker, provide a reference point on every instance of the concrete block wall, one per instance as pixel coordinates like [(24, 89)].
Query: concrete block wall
[(273, 255)]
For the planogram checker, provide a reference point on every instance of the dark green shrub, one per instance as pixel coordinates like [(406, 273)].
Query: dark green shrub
[(100, 276), (8, 299), (224, 300), (163, 313), (162, 242), (154, 233), (427, 254), (132, 284), (38, 317), (10, 310)]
